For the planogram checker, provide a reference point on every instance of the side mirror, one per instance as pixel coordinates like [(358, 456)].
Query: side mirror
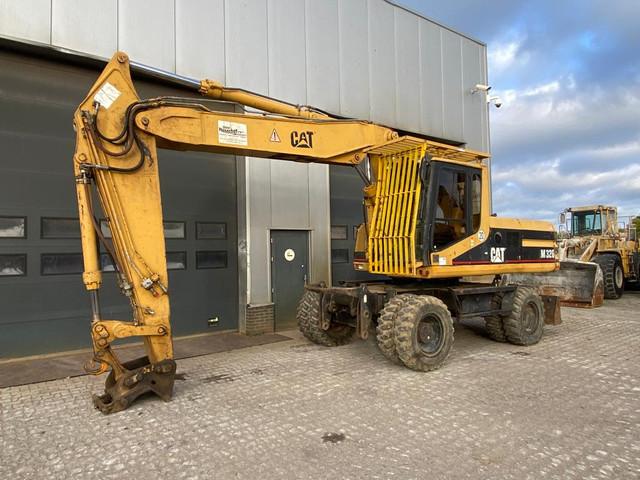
[(563, 219)]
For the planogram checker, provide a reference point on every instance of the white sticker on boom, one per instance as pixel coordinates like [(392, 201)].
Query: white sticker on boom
[(442, 260), (232, 133), (106, 95)]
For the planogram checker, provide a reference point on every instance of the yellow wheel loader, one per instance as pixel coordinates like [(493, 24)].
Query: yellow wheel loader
[(595, 235), (427, 224)]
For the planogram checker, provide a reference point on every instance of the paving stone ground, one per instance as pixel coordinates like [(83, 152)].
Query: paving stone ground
[(568, 407)]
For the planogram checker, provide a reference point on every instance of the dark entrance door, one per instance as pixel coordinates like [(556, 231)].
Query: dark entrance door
[(289, 269)]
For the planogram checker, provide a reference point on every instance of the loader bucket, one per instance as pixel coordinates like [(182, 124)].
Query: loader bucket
[(576, 284)]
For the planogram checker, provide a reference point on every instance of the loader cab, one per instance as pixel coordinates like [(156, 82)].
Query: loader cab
[(450, 209), (592, 221), (586, 223)]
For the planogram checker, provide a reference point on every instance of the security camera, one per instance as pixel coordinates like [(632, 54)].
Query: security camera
[(495, 100), (482, 88)]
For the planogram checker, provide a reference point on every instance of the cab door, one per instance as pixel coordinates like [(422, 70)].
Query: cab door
[(452, 206)]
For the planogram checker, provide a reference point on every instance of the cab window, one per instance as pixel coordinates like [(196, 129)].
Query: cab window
[(586, 223), (457, 205), (450, 217)]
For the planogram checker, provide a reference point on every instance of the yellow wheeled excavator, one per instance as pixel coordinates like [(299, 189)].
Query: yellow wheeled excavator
[(427, 225)]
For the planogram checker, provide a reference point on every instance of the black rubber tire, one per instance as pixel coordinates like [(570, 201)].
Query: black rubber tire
[(613, 274), (386, 323), (406, 331), (308, 316), (525, 324), (495, 323)]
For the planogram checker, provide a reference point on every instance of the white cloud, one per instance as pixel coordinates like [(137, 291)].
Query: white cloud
[(503, 55), (546, 88)]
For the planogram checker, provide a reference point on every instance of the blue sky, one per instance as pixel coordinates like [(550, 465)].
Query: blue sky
[(568, 72)]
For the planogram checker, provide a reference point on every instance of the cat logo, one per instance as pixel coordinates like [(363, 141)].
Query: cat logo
[(497, 254), (275, 138), (302, 139)]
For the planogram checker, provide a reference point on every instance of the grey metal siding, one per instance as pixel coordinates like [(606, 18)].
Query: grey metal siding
[(388, 58), (431, 76), (200, 37), (407, 71), (322, 58), (382, 48), (92, 24)]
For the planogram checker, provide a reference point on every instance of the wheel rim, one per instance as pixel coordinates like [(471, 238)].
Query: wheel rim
[(619, 277), (530, 317), (429, 335)]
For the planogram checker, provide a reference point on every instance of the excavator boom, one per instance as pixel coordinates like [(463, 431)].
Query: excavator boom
[(117, 135)]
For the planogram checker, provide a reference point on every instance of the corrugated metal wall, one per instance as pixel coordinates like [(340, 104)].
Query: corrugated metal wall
[(364, 58)]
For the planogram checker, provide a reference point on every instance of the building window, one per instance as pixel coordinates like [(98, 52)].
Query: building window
[(174, 229), (340, 255), (61, 263), (211, 230), (339, 232), (171, 229), (211, 259), (13, 265), (59, 227), (13, 227), (106, 264), (104, 228), (176, 260)]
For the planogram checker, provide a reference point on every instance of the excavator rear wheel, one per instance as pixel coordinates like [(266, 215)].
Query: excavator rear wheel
[(386, 324), (524, 325), (495, 323), (613, 274), (423, 333), (309, 316)]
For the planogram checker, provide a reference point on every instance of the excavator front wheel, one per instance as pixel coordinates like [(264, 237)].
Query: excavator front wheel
[(424, 333)]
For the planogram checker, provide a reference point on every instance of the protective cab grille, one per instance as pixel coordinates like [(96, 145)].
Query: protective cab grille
[(393, 224)]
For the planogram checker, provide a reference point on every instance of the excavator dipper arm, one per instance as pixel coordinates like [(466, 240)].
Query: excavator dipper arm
[(115, 160)]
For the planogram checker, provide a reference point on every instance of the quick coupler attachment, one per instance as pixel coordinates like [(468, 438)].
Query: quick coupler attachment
[(139, 378)]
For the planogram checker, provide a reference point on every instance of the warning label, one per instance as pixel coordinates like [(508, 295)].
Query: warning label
[(232, 133), (106, 95), (274, 137)]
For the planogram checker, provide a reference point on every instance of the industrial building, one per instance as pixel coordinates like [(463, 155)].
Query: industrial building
[(228, 219)]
